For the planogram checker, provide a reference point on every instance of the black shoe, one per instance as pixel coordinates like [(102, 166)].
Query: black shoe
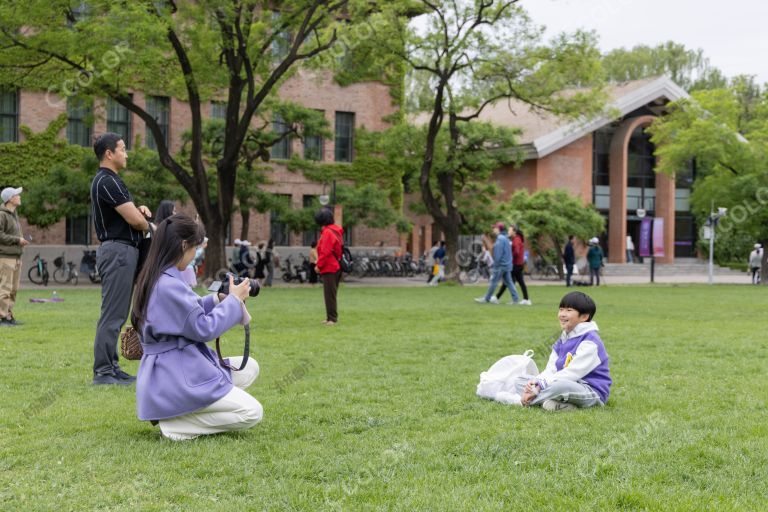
[(5, 322), (13, 321), (120, 374), (109, 378)]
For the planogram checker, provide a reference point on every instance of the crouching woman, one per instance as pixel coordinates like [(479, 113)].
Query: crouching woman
[(181, 384)]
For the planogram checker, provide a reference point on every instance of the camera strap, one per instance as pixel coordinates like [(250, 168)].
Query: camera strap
[(246, 351)]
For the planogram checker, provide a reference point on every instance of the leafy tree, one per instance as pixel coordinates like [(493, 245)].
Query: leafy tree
[(690, 69), (724, 132), (472, 54), (547, 217), (240, 50)]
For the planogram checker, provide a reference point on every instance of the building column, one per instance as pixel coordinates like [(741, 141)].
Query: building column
[(415, 241), (665, 208), (617, 213)]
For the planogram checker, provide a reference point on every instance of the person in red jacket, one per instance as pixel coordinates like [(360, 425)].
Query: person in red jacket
[(518, 263), (329, 249)]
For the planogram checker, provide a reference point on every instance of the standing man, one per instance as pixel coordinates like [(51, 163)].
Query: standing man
[(755, 262), (119, 227), (569, 258), (11, 245), (502, 267)]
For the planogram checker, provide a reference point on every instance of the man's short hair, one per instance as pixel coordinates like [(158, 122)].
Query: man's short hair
[(107, 141), (581, 302)]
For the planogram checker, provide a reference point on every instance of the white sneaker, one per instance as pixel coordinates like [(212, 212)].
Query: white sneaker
[(526, 302), (481, 300), (554, 405), (494, 300)]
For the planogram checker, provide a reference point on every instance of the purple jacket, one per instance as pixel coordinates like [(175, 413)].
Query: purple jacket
[(178, 373), (580, 356)]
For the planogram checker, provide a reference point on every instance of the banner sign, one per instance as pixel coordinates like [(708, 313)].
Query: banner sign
[(645, 237), (658, 237)]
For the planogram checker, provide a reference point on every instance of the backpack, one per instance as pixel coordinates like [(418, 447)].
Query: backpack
[(500, 378), (345, 262)]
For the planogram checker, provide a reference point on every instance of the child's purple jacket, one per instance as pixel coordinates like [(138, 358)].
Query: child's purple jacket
[(178, 373)]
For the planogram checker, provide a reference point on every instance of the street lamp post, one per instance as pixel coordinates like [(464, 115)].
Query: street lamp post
[(712, 221)]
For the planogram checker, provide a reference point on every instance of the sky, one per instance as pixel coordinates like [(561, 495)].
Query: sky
[(733, 34)]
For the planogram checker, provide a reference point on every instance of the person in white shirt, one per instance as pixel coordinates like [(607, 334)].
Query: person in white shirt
[(755, 262)]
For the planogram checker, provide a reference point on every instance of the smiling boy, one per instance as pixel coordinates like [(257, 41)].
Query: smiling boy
[(577, 373)]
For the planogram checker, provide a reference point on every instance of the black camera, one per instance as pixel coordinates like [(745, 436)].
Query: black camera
[(223, 286)]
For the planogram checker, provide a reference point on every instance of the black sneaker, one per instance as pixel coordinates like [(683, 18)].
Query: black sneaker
[(5, 322), (13, 321), (100, 379), (120, 374)]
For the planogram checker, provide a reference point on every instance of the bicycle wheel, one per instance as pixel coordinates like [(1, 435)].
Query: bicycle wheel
[(60, 275), (35, 276), (473, 276), (74, 278)]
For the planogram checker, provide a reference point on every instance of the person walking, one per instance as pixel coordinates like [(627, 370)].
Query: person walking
[(12, 244), (329, 251), (755, 263), (439, 264), (502, 267), (119, 225), (518, 263), (595, 258), (569, 259)]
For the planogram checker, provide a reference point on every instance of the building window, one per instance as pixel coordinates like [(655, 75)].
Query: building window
[(9, 116), (158, 107), (79, 230), (78, 122), (278, 230), (281, 44), (309, 236), (218, 110), (119, 121), (282, 149), (345, 126)]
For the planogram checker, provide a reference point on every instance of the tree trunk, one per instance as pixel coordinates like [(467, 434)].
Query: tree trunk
[(215, 257), (764, 266), (560, 258), (245, 215)]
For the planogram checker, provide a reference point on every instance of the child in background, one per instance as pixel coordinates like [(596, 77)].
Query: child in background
[(577, 373)]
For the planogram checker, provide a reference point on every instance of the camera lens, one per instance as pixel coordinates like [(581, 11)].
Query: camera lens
[(255, 288)]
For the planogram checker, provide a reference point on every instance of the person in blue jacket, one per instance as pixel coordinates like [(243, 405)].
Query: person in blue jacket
[(502, 267), (181, 384)]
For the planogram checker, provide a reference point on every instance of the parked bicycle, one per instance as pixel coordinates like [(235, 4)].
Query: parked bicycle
[(293, 271), (65, 270), (38, 273), (88, 266), (543, 270)]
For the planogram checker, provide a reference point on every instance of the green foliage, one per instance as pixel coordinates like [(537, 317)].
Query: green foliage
[(37, 154), (547, 217), (690, 69), (725, 131), (148, 181)]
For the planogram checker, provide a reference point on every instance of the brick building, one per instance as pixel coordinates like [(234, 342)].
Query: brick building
[(607, 162), (346, 109)]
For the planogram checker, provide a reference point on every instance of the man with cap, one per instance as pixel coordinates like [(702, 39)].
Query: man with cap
[(755, 262), (502, 267), (11, 244), (595, 259), (120, 225)]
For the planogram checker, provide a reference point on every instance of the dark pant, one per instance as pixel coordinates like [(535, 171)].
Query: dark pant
[(116, 263), (330, 288), (517, 277), (568, 273), (594, 275)]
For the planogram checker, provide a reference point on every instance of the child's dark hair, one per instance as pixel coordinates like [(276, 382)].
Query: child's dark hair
[(581, 302)]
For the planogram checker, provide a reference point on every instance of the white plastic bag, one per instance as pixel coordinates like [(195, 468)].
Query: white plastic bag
[(498, 383)]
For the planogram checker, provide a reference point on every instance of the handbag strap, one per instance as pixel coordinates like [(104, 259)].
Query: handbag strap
[(246, 351)]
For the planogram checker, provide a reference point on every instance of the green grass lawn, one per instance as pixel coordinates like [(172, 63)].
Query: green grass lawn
[(380, 412)]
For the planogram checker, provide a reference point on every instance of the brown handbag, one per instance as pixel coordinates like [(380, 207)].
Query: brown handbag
[(130, 345)]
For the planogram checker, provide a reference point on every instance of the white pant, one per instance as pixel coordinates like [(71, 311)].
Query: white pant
[(237, 410)]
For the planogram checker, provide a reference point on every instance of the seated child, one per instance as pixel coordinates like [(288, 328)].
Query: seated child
[(577, 374)]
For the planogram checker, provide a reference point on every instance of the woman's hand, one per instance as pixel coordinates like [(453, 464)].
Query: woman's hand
[(241, 290)]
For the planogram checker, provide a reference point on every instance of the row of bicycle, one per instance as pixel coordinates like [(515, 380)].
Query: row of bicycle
[(65, 272)]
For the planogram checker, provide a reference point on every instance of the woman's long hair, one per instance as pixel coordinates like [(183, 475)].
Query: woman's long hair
[(173, 236), (164, 210), (519, 231)]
